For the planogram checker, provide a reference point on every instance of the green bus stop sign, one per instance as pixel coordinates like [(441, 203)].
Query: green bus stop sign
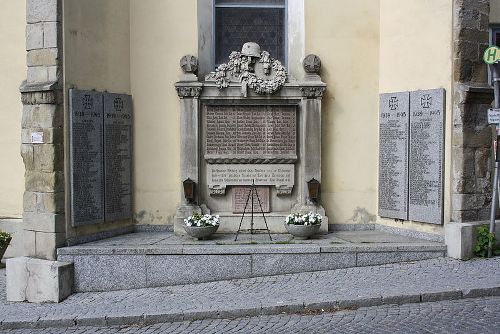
[(491, 55)]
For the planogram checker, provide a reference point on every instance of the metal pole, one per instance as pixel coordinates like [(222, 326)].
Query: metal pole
[(495, 72)]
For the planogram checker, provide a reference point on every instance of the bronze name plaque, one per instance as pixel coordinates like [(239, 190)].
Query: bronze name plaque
[(241, 195), (250, 134)]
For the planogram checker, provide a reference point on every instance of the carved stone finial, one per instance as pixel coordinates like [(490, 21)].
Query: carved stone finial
[(312, 64), (189, 64)]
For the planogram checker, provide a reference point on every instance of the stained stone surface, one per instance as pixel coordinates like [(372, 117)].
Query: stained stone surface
[(426, 156), (86, 149), (393, 155), (250, 132), (241, 196), (118, 156)]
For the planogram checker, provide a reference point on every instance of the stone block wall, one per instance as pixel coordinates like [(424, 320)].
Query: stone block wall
[(42, 133), (472, 136)]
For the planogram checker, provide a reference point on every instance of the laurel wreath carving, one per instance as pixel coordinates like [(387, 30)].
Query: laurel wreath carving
[(238, 66)]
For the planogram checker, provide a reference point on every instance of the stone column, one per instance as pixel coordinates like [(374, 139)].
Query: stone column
[(189, 90), (310, 135), (42, 146), (471, 137)]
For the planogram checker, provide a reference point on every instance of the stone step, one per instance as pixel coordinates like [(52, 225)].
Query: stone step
[(144, 260)]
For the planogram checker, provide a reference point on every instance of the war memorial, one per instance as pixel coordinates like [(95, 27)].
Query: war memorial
[(139, 128)]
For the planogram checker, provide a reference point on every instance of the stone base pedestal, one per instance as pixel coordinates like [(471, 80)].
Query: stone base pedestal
[(460, 238), (182, 213), (38, 281)]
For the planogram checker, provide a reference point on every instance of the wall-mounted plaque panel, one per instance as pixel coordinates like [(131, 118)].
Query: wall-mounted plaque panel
[(243, 175), (250, 134), (241, 199), (86, 157), (118, 156), (427, 117), (393, 155)]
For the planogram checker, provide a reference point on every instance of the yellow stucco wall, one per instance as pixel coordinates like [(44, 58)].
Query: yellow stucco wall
[(13, 72), (495, 11), (345, 35), (97, 45), (96, 56), (415, 53), (161, 32)]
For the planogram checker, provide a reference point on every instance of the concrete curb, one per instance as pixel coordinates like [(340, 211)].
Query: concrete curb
[(264, 309)]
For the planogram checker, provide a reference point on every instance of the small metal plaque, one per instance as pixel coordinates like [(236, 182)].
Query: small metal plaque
[(426, 156), (86, 162), (493, 116), (118, 156), (241, 199), (393, 155)]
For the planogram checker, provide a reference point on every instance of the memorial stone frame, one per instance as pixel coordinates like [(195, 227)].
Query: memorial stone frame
[(235, 131)]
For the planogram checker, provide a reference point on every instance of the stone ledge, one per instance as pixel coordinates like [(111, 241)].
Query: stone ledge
[(460, 238)]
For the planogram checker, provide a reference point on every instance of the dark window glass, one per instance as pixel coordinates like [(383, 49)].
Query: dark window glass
[(236, 25), (496, 38)]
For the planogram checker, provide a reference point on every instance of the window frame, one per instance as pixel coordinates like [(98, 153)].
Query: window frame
[(255, 4)]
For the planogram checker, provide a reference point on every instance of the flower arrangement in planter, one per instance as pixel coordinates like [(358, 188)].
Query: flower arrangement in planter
[(5, 239), (302, 226), (201, 226)]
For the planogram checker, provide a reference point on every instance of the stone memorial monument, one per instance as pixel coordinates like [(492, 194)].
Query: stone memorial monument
[(249, 122), (100, 157), (411, 155)]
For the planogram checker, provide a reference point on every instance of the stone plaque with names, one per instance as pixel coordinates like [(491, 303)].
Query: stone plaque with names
[(86, 163), (250, 133), (393, 155), (427, 117), (243, 175), (118, 156), (241, 196)]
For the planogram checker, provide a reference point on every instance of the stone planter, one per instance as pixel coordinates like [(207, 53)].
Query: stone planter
[(3, 248), (200, 232), (302, 232)]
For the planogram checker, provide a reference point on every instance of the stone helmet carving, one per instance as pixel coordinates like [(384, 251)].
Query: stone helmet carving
[(251, 49)]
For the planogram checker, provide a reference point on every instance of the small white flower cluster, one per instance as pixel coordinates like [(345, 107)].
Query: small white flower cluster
[(310, 218), (200, 220)]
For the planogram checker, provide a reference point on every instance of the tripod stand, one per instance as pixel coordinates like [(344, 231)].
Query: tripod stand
[(251, 193)]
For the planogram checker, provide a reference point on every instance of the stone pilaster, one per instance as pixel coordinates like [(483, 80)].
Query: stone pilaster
[(188, 90), (471, 137), (42, 131)]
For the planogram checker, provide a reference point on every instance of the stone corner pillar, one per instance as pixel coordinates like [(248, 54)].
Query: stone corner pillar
[(42, 133), (188, 90), (472, 162)]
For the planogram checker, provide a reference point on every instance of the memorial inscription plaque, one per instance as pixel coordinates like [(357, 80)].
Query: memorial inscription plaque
[(427, 117), (250, 134), (118, 156), (240, 197), (86, 162), (393, 155), (242, 175)]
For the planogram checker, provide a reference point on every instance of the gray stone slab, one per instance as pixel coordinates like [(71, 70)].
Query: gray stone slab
[(109, 272), (274, 264), (393, 155), (426, 156), (374, 247), (374, 237), (118, 156), (186, 269), (86, 157), (115, 250), (376, 258), (251, 249)]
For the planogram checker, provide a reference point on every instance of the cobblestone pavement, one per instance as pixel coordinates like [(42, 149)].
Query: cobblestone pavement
[(460, 316), (430, 280)]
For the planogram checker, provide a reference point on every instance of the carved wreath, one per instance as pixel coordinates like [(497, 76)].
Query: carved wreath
[(238, 66)]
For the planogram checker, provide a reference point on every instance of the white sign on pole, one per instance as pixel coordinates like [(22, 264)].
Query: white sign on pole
[(494, 116)]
